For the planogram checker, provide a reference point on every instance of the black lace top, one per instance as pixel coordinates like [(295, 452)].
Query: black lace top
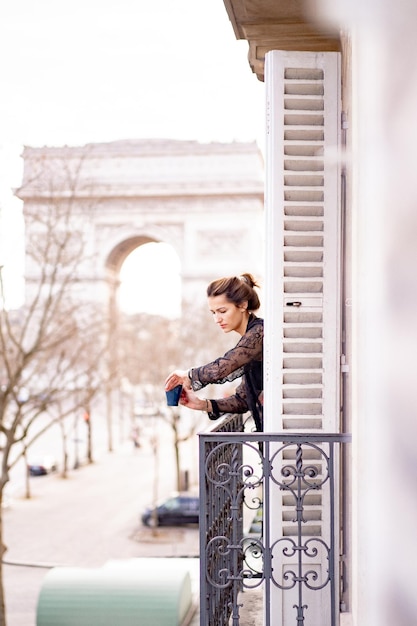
[(245, 360)]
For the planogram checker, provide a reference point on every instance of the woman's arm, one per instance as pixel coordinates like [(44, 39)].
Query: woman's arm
[(230, 366), (225, 368), (232, 404)]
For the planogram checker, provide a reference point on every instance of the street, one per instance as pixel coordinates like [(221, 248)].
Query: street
[(86, 520)]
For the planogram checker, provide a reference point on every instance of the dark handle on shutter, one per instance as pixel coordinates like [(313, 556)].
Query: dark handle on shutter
[(297, 303)]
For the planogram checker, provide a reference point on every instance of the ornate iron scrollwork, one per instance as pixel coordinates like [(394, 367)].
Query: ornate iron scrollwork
[(239, 472)]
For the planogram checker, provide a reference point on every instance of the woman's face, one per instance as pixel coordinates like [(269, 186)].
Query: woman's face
[(227, 315)]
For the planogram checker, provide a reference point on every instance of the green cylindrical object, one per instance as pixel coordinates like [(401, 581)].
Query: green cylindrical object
[(135, 592)]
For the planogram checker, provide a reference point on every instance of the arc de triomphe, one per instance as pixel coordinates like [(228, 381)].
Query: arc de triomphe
[(204, 199)]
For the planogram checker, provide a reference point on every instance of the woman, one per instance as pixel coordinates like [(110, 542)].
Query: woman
[(231, 302)]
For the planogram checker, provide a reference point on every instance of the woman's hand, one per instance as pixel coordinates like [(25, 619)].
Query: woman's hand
[(178, 377), (190, 399)]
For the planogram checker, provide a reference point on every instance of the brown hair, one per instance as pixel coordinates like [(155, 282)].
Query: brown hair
[(237, 289)]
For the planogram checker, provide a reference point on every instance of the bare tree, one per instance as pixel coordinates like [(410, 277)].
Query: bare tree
[(50, 347)]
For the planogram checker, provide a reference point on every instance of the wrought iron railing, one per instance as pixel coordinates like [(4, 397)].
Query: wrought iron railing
[(246, 470)]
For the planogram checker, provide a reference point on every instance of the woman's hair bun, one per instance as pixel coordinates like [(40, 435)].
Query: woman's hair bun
[(248, 278)]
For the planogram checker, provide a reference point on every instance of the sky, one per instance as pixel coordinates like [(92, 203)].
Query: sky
[(80, 71)]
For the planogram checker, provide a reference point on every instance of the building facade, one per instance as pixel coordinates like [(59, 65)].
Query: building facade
[(340, 289)]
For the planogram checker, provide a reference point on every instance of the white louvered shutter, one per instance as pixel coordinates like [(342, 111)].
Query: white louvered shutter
[(302, 320)]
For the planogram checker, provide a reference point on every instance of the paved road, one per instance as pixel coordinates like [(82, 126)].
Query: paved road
[(84, 521)]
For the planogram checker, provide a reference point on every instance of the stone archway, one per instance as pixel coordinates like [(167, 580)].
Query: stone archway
[(122, 250), (205, 200)]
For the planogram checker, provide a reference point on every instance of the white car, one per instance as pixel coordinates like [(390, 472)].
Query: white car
[(42, 465)]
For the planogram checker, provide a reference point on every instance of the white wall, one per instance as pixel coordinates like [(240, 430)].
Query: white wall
[(384, 308)]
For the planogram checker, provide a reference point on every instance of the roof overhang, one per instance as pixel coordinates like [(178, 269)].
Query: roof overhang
[(279, 25)]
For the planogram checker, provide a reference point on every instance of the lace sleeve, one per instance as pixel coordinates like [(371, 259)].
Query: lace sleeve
[(230, 366), (233, 404)]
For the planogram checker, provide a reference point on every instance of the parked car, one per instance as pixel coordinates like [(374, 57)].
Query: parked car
[(40, 466), (179, 509)]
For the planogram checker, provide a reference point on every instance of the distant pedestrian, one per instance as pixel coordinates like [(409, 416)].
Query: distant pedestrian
[(135, 437)]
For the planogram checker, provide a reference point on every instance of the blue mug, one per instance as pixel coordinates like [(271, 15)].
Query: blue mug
[(173, 395)]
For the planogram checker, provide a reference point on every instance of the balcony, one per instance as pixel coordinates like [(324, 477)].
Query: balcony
[(270, 518)]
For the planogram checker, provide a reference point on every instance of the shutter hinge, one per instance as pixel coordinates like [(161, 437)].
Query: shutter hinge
[(344, 367)]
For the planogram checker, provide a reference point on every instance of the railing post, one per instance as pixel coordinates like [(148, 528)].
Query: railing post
[(203, 532)]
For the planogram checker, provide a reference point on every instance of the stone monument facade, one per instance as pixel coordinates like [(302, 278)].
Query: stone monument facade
[(204, 199)]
